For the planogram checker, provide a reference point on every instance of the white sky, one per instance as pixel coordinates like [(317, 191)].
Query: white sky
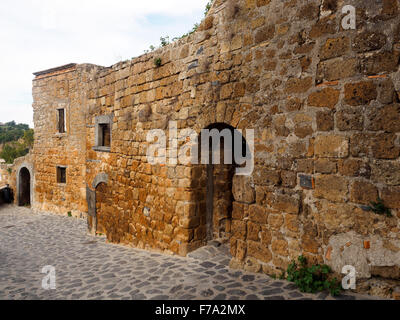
[(40, 34)]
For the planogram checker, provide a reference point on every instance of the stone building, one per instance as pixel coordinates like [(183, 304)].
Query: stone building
[(323, 101)]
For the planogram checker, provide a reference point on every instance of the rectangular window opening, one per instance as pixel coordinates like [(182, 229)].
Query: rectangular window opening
[(61, 120), (61, 175), (105, 135)]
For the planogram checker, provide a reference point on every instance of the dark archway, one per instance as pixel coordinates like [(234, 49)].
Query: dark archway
[(101, 202), (218, 178), (24, 195)]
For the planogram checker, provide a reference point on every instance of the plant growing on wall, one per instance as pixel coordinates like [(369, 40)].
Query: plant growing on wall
[(379, 208), (157, 62), (312, 279), (164, 41)]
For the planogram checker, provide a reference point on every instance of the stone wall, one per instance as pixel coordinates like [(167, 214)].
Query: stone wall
[(10, 174), (61, 88), (324, 105), (5, 176)]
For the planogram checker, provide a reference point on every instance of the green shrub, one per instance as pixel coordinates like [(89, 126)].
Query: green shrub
[(312, 279)]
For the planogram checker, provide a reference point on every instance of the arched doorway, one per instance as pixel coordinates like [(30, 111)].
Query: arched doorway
[(219, 178), (24, 184), (101, 198)]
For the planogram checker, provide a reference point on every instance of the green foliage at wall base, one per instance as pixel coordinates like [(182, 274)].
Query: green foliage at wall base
[(312, 279)]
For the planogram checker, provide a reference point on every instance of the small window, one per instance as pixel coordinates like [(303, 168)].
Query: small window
[(61, 120), (105, 139), (61, 175), (103, 133)]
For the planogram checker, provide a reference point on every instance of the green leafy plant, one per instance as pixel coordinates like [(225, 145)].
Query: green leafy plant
[(164, 41), (69, 214), (208, 7), (157, 62), (379, 208), (312, 279)]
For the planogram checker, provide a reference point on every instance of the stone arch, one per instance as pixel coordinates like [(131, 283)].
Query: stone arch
[(100, 178), (25, 185), (216, 187)]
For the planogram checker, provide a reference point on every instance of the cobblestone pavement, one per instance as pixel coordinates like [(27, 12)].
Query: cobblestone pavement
[(89, 268)]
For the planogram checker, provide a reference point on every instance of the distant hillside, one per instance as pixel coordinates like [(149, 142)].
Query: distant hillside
[(15, 140), (12, 132)]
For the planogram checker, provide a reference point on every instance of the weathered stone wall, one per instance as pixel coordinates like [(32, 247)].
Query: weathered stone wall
[(9, 174), (323, 102), (5, 174), (67, 89)]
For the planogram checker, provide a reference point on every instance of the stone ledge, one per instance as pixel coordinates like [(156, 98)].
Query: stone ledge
[(102, 149)]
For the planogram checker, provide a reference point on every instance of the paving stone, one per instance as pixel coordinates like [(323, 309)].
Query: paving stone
[(237, 292), (275, 298), (208, 264), (106, 271), (277, 284), (295, 295), (271, 291), (248, 278), (207, 293), (252, 297)]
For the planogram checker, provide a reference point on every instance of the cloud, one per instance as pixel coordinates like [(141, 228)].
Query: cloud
[(40, 34)]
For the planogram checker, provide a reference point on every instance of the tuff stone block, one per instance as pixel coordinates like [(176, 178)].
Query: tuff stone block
[(280, 247), (331, 146), (350, 119), (368, 41), (327, 97), (334, 47), (360, 93), (386, 118), (331, 187), (337, 69), (380, 63), (258, 251), (325, 121), (363, 192), (295, 85)]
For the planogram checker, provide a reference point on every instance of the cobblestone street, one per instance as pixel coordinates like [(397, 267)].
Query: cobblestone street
[(89, 268)]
